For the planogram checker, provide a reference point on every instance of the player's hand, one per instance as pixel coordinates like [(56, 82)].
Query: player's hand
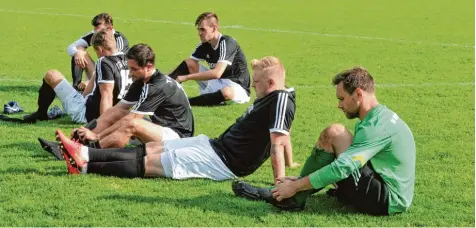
[(182, 78), (82, 86), (284, 190), (280, 180), (86, 134), (80, 59)]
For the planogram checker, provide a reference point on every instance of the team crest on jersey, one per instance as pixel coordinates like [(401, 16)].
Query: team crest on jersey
[(208, 56)]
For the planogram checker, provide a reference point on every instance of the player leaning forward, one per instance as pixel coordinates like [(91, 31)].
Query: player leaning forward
[(259, 133), (374, 170)]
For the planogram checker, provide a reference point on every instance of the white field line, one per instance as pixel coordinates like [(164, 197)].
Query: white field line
[(389, 85), (240, 27)]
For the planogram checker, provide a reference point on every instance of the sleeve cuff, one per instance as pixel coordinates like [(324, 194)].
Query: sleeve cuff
[(142, 113), (195, 58), (128, 102), (104, 81), (279, 131), (315, 180), (225, 61)]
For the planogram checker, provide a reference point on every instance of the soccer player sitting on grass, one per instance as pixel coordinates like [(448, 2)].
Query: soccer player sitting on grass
[(374, 170), (152, 93), (109, 85), (262, 131), (228, 78), (81, 59)]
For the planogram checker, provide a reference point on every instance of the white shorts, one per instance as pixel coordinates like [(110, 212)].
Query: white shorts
[(193, 158), (210, 86), (169, 134), (74, 104)]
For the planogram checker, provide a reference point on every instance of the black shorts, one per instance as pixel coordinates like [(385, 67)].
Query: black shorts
[(369, 196)]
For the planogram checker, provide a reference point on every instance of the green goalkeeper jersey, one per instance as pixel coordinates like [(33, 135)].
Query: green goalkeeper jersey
[(384, 139)]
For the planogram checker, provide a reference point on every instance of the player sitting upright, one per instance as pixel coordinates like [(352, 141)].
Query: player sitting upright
[(110, 85), (81, 59), (228, 78)]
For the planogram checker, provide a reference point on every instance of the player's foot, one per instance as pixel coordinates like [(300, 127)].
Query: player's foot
[(32, 118), (250, 192), (71, 169), (72, 149), (51, 147)]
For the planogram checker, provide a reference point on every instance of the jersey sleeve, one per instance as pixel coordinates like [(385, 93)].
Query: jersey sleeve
[(122, 43), (200, 53), (281, 114), (150, 98), (88, 38), (133, 94), (368, 141), (228, 49), (104, 72)]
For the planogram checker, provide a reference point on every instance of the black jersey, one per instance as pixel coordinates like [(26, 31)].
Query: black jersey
[(122, 44), (109, 69), (229, 52), (245, 145), (165, 101)]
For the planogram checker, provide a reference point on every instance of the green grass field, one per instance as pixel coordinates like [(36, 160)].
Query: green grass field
[(421, 54)]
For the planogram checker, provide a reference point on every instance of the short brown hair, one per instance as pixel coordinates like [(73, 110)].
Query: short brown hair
[(356, 77), (103, 38), (207, 16), (142, 54), (102, 18)]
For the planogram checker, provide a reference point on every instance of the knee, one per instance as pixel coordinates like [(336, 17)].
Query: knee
[(131, 126), (192, 65), (227, 93), (53, 77), (332, 136)]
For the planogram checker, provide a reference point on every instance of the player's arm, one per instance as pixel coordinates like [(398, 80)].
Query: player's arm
[(106, 96), (214, 73), (118, 124), (89, 86), (78, 45), (288, 156), (278, 142), (367, 143)]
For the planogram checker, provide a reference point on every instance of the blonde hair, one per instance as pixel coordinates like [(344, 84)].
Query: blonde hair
[(270, 65)]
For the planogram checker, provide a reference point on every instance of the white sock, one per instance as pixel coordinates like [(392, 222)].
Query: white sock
[(84, 169), (85, 153)]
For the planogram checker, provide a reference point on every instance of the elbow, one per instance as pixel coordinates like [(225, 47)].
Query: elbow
[(71, 50)]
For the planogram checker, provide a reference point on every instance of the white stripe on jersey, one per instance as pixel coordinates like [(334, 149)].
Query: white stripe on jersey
[(143, 96), (222, 50), (281, 111), (99, 69)]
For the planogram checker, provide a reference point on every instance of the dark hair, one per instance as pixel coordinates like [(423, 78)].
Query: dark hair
[(357, 77), (206, 16), (103, 38), (102, 18), (142, 54)]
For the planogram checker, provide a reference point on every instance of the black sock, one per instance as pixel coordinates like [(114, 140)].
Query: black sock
[(208, 99), (117, 154), (93, 144), (182, 69), (76, 73), (129, 168), (46, 95)]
